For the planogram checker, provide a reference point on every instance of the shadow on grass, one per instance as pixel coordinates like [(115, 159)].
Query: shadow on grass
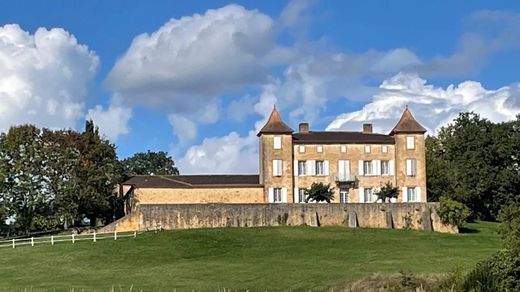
[(468, 230)]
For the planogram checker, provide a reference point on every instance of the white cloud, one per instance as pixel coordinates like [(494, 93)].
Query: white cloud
[(226, 154), (43, 77), (113, 121), (231, 153), (432, 106), (199, 55), (184, 65)]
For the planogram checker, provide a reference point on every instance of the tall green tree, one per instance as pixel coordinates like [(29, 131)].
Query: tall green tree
[(475, 162), (147, 163), (62, 150), (98, 174), (437, 182), (25, 193)]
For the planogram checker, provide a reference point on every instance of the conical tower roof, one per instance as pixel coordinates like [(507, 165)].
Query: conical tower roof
[(275, 125), (407, 125)]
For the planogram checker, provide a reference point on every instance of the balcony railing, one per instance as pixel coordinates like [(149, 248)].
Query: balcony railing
[(345, 178)]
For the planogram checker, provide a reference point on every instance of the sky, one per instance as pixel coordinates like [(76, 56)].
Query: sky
[(198, 79)]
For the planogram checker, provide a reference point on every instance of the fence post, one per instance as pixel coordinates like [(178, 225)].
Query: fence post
[(94, 237), (52, 239), (115, 235), (13, 242), (32, 241), (73, 237)]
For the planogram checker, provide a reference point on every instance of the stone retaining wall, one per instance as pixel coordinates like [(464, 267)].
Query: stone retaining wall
[(421, 216)]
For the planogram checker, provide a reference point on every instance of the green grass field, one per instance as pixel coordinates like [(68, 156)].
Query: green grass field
[(270, 258)]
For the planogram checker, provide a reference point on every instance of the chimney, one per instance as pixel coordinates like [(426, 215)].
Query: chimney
[(367, 128), (304, 128)]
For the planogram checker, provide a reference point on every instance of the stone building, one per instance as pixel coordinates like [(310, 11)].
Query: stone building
[(356, 164)]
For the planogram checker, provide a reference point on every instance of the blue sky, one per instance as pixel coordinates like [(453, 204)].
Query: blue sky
[(205, 75)]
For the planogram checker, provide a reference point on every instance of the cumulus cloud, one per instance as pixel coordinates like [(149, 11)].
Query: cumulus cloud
[(113, 121), (231, 153), (432, 106), (43, 77), (181, 67)]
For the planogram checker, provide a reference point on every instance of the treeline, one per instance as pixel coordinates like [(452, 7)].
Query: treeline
[(51, 179), (475, 162)]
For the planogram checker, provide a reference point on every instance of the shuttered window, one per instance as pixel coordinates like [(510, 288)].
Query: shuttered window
[(320, 167), (411, 167), (302, 170), (277, 167), (277, 195), (277, 142), (410, 143)]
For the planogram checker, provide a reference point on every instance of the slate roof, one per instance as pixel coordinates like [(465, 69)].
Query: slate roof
[(407, 124), (275, 125), (193, 181), (341, 137)]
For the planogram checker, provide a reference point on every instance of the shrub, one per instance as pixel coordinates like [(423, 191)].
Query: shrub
[(509, 229), (319, 192), (387, 192), (452, 212), (500, 272)]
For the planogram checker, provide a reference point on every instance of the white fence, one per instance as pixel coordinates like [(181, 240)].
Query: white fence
[(53, 239)]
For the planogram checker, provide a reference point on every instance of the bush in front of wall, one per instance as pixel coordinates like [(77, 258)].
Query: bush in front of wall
[(452, 212)]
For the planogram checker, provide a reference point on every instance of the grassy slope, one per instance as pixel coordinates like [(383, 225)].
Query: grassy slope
[(275, 258)]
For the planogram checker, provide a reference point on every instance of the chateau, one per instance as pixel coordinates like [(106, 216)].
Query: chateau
[(354, 163)]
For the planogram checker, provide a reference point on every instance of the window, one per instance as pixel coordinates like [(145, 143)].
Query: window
[(367, 195), (302, 149), (411, 194), (301, 167), (277, 167), (343, 149), (320, 167), (319, 149), (277, 142), (301, 195), (343, 195), (384, 149), (385, 167), (367, 167), (410, 143), (411, 167), (367, 149), (343, 170), (277, 195)]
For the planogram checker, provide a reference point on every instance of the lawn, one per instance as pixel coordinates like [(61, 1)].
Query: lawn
[(258, 259)]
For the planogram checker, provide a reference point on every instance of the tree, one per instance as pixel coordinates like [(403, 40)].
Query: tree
[(387, 192), (475, 162), (148, 163), (62, 148), (319, 192), (24, 192), (437, 182), (98, 173)]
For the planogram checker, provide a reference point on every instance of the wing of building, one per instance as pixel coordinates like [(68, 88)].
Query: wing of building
[(355, 163)]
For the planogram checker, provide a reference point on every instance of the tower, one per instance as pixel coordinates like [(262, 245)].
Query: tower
[(275, 152), (410, 158)]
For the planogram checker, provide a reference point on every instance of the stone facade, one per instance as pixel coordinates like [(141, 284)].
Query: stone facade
[(199, 195), (356, 164), (420, 216), (367, 162)]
